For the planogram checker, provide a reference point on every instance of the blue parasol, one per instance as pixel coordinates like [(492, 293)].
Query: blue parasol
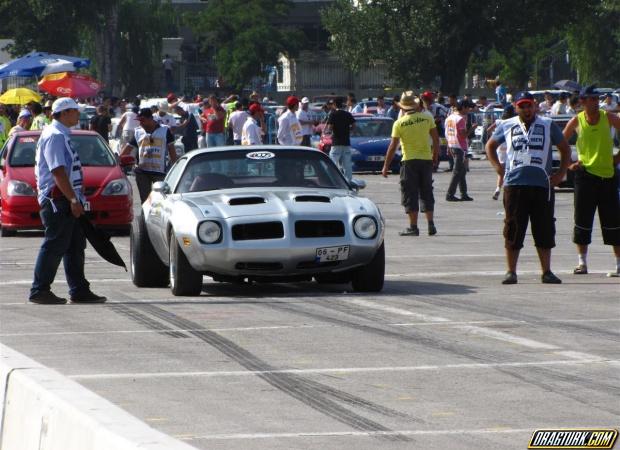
[(38, 64)]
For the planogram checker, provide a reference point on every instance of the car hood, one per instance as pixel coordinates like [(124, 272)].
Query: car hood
[(93, 176), (371, 145), (238, 202)]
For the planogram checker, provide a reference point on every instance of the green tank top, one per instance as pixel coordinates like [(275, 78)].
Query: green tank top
[(595, 146)]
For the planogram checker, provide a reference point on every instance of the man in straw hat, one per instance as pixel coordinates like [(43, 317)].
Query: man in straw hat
[(411, 131)]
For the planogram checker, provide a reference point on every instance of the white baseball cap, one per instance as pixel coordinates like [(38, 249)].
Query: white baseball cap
[(24, 113), (64, 103), (305, 100)]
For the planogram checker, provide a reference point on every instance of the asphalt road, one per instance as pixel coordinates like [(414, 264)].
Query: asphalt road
[(444, 357)]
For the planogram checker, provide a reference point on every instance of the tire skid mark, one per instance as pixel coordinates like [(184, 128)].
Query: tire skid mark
[(146, 321), (438, 300), (451, 348), (311, 393)]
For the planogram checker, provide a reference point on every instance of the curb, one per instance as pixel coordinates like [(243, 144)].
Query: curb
[(42, 409)]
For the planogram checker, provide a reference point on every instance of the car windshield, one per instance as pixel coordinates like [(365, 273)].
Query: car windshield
[(562, 123), (372, 128), (91, 149), (260, 169)]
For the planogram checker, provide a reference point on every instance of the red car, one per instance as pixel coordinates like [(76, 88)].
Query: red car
[(108, 190)]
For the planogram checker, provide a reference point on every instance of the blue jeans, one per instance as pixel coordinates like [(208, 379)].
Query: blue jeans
[(341, 155), (216, 140), (64, 240)]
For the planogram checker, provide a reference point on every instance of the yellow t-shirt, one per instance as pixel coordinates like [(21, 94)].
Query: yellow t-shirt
[(413, 131)]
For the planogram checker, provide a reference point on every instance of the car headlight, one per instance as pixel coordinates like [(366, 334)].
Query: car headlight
[(20, 189), (365, 227), (116, 187), (209, 232), (355, 152)]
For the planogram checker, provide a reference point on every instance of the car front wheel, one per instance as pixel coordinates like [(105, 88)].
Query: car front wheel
[(369, 278), (146, 268), (184, 280)]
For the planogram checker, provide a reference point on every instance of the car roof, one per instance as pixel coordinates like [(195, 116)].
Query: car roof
[(251, 148)]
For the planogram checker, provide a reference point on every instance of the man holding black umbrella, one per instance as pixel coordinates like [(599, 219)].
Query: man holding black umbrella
[(59, 184)]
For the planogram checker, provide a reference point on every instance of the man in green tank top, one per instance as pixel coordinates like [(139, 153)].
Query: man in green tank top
[(596, 184)]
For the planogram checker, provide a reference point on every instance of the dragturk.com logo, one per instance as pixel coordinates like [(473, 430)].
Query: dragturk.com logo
[(574, 438)]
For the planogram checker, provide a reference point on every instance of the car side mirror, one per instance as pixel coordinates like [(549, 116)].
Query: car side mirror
[(357, 184), (127, 160), (161, 187)]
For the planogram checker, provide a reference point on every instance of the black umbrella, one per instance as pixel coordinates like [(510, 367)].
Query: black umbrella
[(100, 240), (568, 85)]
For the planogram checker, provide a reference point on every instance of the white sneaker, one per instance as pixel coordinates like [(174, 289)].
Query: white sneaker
[(615, 274)]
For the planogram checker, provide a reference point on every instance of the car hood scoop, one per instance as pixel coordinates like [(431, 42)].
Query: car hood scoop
[(235, 201), (313, 198)]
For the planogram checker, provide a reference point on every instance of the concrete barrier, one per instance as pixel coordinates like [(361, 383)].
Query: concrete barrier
[(43, 410)]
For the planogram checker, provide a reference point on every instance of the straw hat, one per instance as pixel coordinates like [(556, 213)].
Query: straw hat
[(408, 101)]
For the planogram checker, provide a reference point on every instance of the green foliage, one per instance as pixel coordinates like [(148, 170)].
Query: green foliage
[(595, 44), (420, 39), (39, 25), (242, 37)]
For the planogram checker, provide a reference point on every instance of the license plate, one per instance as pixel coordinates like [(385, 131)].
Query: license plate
[(327, 254), (86, 206), (376, 158)]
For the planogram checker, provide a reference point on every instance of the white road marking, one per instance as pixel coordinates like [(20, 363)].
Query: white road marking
[(400, 311), (61, 281), (344, 370), (506, 337), (310, 434)]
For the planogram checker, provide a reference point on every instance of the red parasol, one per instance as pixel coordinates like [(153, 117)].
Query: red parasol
[(70, 84)]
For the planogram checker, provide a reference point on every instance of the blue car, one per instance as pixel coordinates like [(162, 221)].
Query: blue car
[(370, 140)]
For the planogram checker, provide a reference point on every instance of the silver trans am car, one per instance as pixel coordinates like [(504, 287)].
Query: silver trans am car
[(261, 213)]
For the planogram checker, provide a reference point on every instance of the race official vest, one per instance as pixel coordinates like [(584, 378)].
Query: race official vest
[(152, 149), (528, 151)]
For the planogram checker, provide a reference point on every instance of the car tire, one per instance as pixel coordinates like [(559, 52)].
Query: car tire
[(184, 279), (7, 232), (369, 278), (145, 267)]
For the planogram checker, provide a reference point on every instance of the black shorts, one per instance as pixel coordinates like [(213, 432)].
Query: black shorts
[(529, 203), (416, 181), (592, 192)]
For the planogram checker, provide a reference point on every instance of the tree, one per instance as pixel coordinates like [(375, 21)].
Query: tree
[(243, 36), (423, 39)]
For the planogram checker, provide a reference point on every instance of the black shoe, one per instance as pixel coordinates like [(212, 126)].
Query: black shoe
[(447, 170), (47, 298), (87, 297), (466, 198), (510, 278), (550, 278), (410, 231), (432, 230), (581, 269), (452, 198)]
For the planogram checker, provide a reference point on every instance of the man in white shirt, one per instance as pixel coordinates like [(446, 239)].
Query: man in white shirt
[(251, 133), (163, 118), (289, 128), (561, 105), (545, 107), (305, 122), (609, 104), (236, 121), (129, 122)]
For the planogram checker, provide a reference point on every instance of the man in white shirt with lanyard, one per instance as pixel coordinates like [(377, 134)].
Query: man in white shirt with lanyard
[(251, 132), (59, 185), (528, 182), (289, 128), (153, 141), (305, 122)]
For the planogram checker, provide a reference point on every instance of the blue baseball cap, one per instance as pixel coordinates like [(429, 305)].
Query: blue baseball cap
[(588, 91), (523, 96)]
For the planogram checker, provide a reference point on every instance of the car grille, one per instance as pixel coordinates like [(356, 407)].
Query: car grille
[(312, 198), (258, 266), (262, 230), (246, 201), (319, 228)]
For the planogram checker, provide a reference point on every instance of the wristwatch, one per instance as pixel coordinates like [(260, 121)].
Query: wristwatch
[(74, 201)]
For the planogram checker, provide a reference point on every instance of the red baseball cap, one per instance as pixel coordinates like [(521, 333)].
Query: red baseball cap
[(428, 94), (292, 101), (171, 97), (255, 108)]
